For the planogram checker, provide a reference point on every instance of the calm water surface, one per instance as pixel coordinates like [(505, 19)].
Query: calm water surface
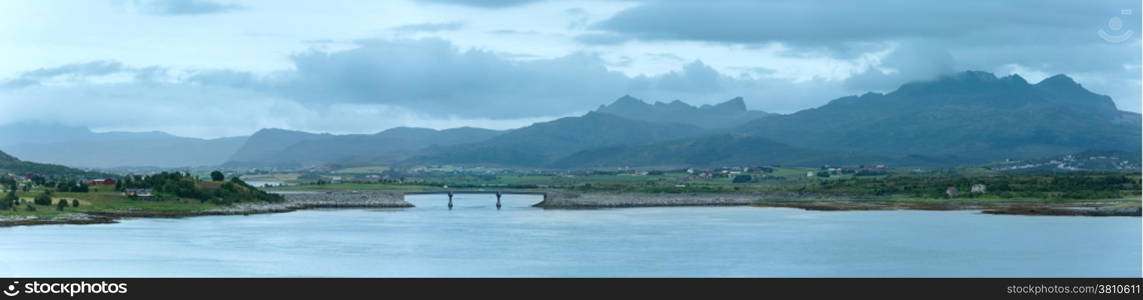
[(475, 239)]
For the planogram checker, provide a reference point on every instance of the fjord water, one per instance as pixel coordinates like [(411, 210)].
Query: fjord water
[(476, 239)]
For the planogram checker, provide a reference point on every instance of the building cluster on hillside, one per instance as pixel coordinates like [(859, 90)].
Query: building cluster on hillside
[(102, 181), (1073, 162), (827, 171), (141, 193)]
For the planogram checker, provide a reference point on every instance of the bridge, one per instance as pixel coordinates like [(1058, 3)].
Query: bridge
[(498, 194)]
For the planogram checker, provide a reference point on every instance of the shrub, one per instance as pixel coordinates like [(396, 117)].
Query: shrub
[(62, 204), (74, 202), (43, 199), (742, 179), (9, 200), (30, 208), (217, 176)]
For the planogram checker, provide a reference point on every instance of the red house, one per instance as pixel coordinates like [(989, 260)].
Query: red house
[(104, 181)]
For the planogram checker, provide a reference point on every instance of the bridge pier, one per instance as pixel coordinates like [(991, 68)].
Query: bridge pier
[(450, 200), (497, 200)]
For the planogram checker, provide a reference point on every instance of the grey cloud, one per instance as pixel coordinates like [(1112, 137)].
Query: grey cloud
[(578, 16), (663, 56), (94, 68), (483, 3), (824, 21), (908, 62), (430, 27), (101, 67), (434, 77), (695, 77), (1051, 36), (604, 38), (184, 7)]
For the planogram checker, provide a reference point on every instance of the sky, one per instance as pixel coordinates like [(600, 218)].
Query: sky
[(214, 68)]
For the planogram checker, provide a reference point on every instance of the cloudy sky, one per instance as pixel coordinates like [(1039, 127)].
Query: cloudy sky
[(211, 68)]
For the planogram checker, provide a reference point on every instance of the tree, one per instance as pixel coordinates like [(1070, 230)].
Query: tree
[(74, 202), (217, 176), (61, 205), (742, 179), (9, 200), (43, 199)]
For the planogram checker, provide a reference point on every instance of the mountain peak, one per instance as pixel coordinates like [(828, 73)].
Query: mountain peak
[(1059, 80), (736, 104), (730, 113), (627, 99), (1015, 78), (972, 76)]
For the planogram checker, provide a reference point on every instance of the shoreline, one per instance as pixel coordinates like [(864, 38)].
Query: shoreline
[(294, 202), (597, 200)]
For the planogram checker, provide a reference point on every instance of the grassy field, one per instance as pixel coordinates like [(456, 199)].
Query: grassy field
[(104, 200)]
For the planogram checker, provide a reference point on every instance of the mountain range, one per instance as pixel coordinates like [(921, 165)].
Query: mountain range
[(966, 117), (11, 165), (963, 118), (723, 115), (80, 147), (285, 148)]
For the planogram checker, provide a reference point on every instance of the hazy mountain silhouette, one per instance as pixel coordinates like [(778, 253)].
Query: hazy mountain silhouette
[(963, 118), (12, 165), (277, 147), (543, 143), (80, 147), (966, 117), (728, 114)]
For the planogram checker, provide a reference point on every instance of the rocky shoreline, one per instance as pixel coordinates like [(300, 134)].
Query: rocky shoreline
[(294, 201), (569, 200)]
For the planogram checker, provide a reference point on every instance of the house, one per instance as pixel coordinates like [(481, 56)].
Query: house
[(951, 191), (978, 188), (104, 181), (138, 192)]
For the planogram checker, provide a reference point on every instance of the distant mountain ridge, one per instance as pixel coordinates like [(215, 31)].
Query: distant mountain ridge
[(967, 117), (727, 114), (962, 118), (279, 147), (78, 146), (541, 143), (12, 165)]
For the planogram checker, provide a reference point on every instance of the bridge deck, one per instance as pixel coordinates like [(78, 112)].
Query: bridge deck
[(473, 192)]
